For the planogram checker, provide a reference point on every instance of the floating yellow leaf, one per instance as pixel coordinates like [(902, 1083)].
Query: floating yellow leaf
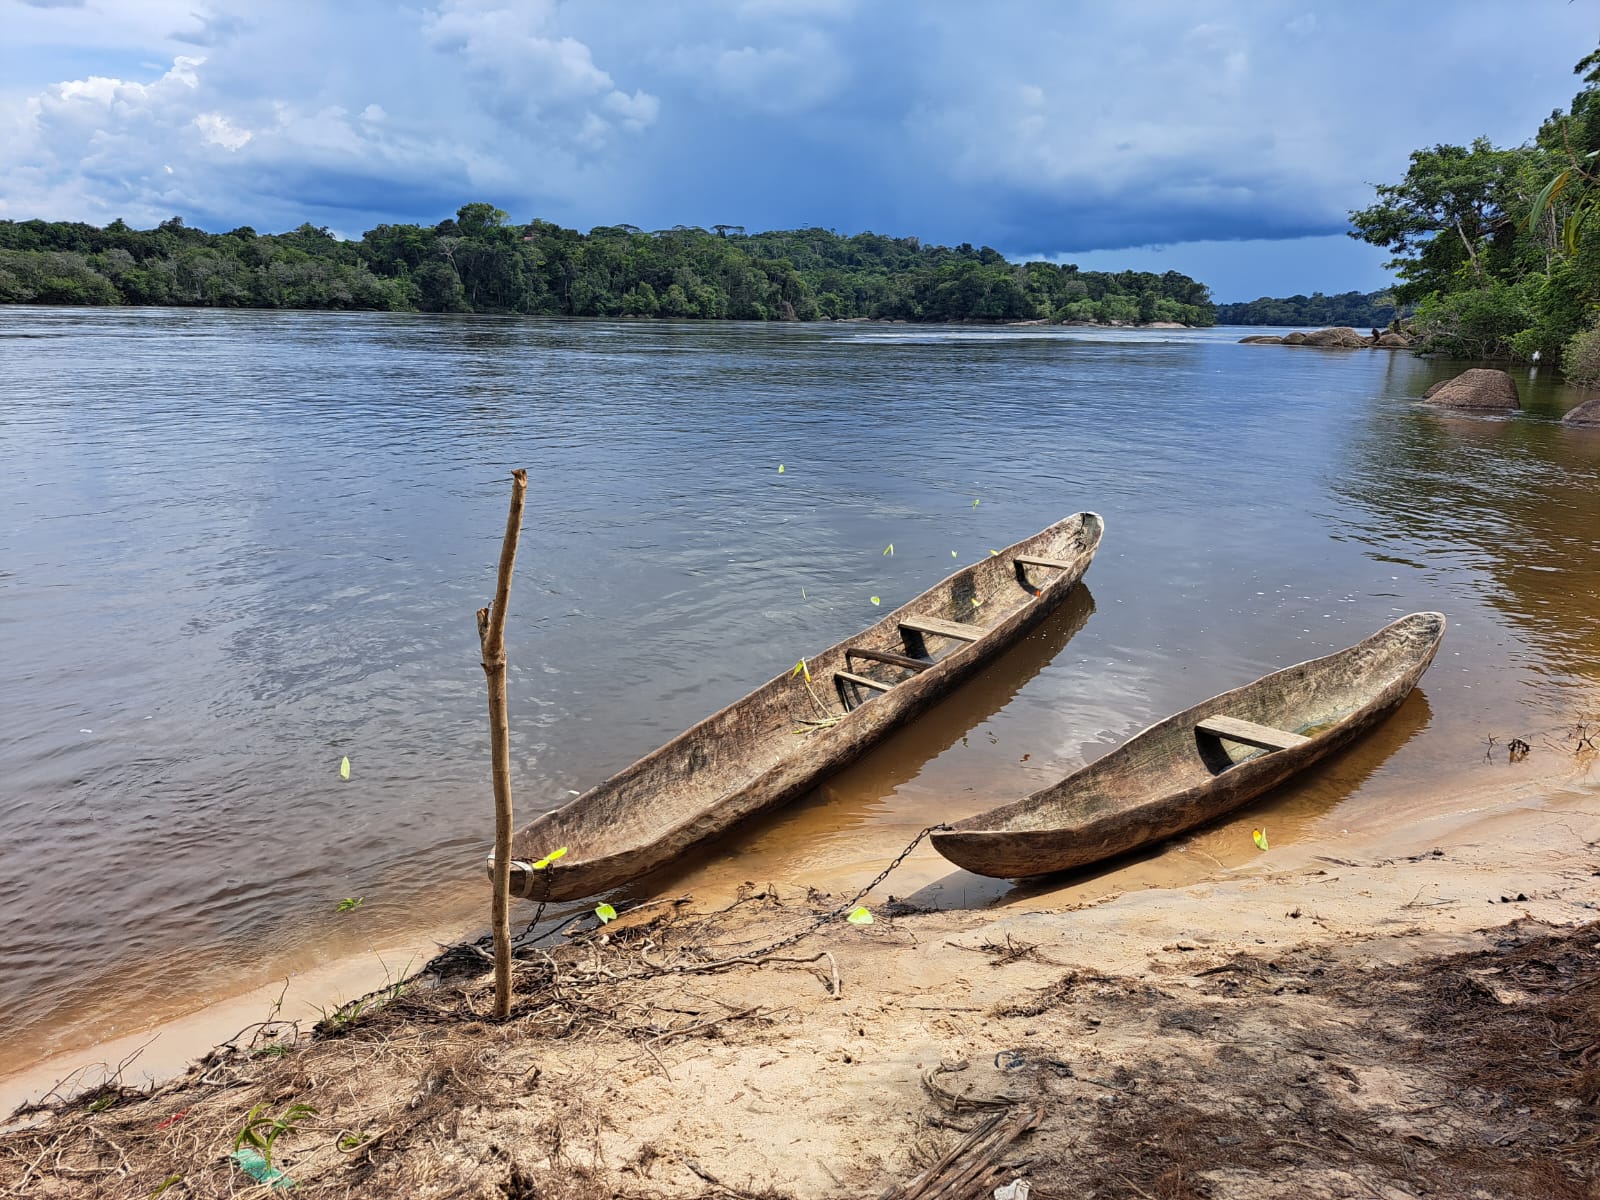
[(605, 912), (780, 468), (344, 768), (995, 553), (974, 502), (802, 593), (889, 550), (549, 858), (875, 600), (861, 916), (953, 554), (800, 668), (1259, 836)]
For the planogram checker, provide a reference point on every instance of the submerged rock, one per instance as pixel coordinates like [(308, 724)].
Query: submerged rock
[(1261, 339), (1586, 415), (1481, 387)]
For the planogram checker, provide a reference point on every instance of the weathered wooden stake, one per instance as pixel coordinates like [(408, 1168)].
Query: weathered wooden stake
[(492, 641)]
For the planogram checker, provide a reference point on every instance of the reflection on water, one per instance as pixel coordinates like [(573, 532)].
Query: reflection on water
[(239, 546), (1512, 501)]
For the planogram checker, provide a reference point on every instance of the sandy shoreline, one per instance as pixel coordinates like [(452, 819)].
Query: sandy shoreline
[(758, 1080), (161, 1049)]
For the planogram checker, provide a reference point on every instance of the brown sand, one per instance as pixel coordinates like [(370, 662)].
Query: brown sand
[(1416, 1015)]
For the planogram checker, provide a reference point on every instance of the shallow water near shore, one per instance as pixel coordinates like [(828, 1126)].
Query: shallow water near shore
[(240, 546)]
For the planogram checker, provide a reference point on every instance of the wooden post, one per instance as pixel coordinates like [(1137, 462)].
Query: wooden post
[(492, 641)]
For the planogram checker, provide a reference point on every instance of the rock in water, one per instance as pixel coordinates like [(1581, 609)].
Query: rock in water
[(1586, 415), (1481, 387), (1393, 341), (1340, 336), (1261, 339)]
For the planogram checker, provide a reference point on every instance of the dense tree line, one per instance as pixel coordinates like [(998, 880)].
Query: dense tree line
[(1360, 310), (1496, 246), (479, 261)]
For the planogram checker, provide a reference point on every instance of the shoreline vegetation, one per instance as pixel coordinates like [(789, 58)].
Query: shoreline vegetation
[(1497, 248), (478, 261)]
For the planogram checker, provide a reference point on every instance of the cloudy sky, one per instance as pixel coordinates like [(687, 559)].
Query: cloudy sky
[(1226, 139)]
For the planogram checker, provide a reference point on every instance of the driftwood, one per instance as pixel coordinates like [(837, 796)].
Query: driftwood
[(492, 642), (971, 1168)]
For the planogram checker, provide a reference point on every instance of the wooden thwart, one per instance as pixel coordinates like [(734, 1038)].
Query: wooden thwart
[(1055, 564), (886, 656), (949, 629), (876, 685), (1248, 733)]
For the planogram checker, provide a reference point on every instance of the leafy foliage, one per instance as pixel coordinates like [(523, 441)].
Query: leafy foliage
[(1581, 359), (1494, 245), (480, 262), (261, 1132)]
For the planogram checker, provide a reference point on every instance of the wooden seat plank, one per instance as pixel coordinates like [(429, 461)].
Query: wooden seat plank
[(876, 685), (949, 629), (886, 656), (1054, 563), (1248, 733)]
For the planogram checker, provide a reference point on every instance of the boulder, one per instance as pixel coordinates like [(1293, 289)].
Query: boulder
[(1261, 339), (1481, 387), (1586, 415), (1338, 336), (1294, 339), (1393, 341)]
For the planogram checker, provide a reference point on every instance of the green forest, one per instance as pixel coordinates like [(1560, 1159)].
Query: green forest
[(479, 261), (1360, 310), (1499, 249)]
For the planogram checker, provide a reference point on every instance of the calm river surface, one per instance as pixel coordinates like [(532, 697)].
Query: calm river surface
[(237, 547)]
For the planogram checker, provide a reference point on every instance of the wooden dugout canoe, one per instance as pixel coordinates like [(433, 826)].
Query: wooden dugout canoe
[(784, 737), (1201, 763)]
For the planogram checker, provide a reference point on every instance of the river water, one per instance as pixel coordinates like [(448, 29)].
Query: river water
[(236, 548)]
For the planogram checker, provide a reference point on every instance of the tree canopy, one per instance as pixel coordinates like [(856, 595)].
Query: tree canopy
[(1492, 244), (478, 261)]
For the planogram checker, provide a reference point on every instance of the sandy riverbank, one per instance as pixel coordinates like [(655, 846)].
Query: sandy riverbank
[(1411, 1012)]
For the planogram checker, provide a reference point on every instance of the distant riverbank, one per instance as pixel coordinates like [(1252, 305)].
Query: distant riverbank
[(479, 261)]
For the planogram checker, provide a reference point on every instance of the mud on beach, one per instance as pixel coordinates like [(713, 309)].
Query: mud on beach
[(1377, 1024)]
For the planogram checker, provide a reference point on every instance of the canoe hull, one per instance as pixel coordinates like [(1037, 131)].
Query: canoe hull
[(1170, 778), (749, 756)]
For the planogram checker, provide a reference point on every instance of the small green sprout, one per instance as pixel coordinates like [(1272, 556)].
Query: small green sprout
[(261, 1132)]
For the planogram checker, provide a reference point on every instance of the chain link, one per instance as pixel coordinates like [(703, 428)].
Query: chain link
[(530, 932), (849, 905)]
